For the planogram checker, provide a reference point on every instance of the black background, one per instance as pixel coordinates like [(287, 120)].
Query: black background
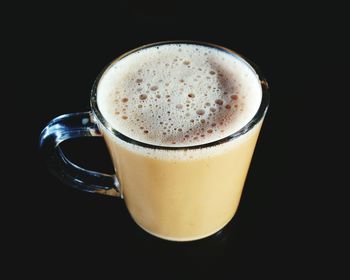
[(289, 222)]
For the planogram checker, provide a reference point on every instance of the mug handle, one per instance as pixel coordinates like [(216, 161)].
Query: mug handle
[(71, 126)]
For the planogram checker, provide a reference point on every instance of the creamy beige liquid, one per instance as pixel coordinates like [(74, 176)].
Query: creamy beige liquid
[(180, 96)]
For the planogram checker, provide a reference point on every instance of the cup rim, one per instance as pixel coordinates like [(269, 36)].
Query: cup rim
[(259, 115)]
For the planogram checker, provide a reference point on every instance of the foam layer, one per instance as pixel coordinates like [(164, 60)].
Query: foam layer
[(179, 95)]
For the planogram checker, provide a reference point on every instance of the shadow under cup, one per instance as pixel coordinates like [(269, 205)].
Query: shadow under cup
[(175, 193)]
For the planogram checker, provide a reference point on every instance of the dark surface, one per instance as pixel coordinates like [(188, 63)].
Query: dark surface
[(283, 224)]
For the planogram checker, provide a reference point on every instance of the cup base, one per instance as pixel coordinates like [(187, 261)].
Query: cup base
[(185, 239)]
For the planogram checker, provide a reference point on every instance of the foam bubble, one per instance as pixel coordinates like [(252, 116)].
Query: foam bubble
[(161, 96), (200, 112), (219, 101), (191, 95), (143, 96)]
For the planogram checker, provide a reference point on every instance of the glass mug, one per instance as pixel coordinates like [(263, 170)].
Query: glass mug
[(171, 198)]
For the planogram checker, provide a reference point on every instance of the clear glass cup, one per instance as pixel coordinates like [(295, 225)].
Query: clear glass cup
[(173, 198)]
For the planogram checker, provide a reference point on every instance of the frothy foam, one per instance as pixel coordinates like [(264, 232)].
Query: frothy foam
[(179, 95)]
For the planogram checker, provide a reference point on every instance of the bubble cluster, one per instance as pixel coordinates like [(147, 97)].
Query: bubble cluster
[(177, 95)]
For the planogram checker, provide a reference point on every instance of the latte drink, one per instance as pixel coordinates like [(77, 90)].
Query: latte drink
[(181, 101)]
